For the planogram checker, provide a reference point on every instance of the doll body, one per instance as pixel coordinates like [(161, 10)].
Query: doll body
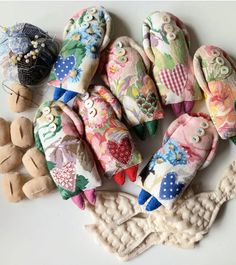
[(58, 134), (189, 144), (86, 34), (216, 74), (107, 135), (166, 42), (125, 70)]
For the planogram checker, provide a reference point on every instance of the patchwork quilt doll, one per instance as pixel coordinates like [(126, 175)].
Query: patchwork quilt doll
[(58, 135), (166, 42), (189, 145), (216, 75), (27, 54), (107, 135), (85, 36), (124, 68)]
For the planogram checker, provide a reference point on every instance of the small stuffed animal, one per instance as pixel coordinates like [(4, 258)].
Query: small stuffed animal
[(124, 68), (107, 135), (189, 145), (166, 42), (58, 134), (216, 74), (85, 36), (27, 54)]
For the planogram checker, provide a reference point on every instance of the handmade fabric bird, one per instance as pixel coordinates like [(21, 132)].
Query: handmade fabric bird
[(27, 54), (107, 135), (85, 36), (124, 67), (189, 145), (216, 74), (58, 135), (166, 42)]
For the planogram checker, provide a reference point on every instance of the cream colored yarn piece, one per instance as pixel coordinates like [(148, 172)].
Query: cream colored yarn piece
[(126, 229)]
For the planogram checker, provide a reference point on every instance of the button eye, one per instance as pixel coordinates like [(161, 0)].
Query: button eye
[(168, 28), (119, 45), (204, 125), (52, 127), (88, 103), (200, 132), (50, 118), (88, 18), (123, 59), (195, 139), (85, 25), (120, 52), (166, 18), (92, 11), (220, 61), (224, 70), (215, 53), (85, 96), (46, 110), (171, 36)]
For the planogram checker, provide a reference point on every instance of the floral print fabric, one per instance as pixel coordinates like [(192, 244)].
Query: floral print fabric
[(166, 43), (86, 34), (189, 144), (107, 135), (216, 74), (58, 134)]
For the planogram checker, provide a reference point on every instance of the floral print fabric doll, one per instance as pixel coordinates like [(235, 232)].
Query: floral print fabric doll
[(107, 135), (216, 74), (189, 145), (58, 134), (85, 36), (124, 68), (166, 42)]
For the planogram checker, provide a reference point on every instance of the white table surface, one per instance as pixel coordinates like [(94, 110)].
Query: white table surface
[(49, 231)]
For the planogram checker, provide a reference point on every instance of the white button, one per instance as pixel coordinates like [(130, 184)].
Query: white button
[(52, 127), (92, 112), (204, 125), (92, 10), (50, 118), (85, 96), (88, 18), (119, 44), (224, 70), (171, 36), (166, 18), (88, 103), (123, 59), (216, 53), (220, 61), (195, 139), (168, 28), (46, 110), (85, 25), (120, 52), (200, 132)]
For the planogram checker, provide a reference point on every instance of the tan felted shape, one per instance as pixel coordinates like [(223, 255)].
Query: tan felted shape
[(12, 186), (35, 163), (38, 187), (10, 158), (20, 98), (123, 228), (5, 137), (22, 132)]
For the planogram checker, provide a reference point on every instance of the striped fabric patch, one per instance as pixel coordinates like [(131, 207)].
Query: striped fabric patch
[(174, 79)]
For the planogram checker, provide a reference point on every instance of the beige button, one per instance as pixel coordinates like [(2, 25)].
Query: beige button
[(46, 110), (204, 125), (119, 44), (200, 132), (120, 52), (52, 127), (92, 112), (88, 103), (168, 28), (171, 36), (50, 118), (224, 70), (88, 18), (123, 59), (220, 61), (85, 96), (195, 139), (92, 10), (85, 25), (166, 18), (216, 53)]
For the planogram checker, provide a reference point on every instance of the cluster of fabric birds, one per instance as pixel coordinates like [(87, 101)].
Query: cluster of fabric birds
[(90, 139)]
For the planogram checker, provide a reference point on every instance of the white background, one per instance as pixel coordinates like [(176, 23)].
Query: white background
[(49, 231)]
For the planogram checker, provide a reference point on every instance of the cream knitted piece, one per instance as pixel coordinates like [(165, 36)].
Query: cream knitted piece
[(126, 230)]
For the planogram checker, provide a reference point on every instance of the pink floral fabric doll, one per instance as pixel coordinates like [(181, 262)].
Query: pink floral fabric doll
[(107, 135), (166, 42), (124, 67), (216, 74), (58, 135), (189, 145)]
